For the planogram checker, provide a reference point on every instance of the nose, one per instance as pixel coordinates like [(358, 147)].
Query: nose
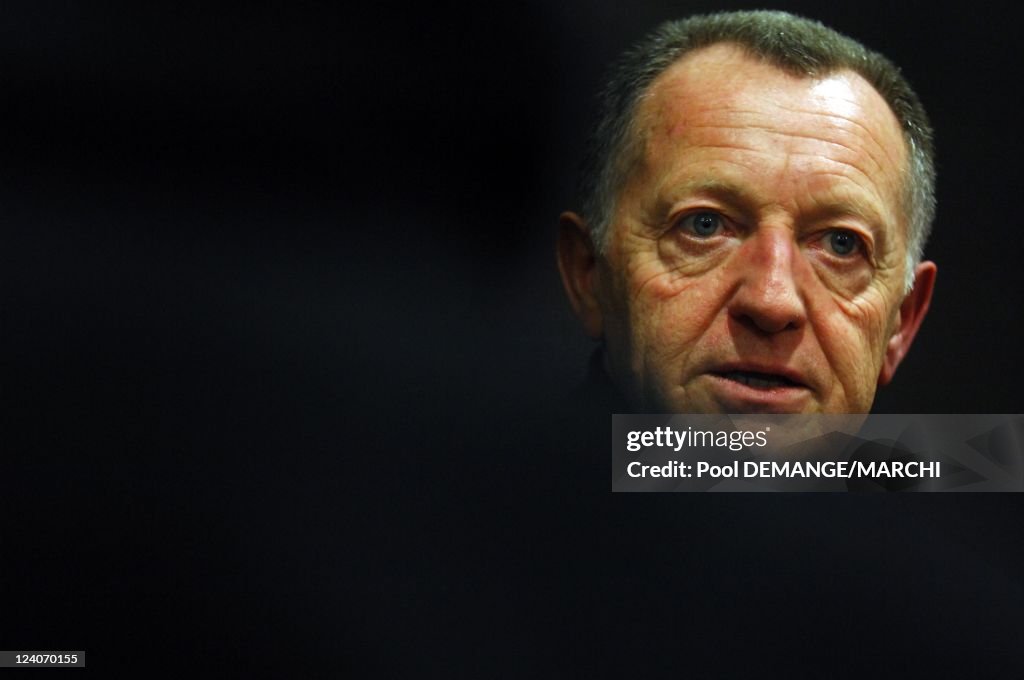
[(767, 296)]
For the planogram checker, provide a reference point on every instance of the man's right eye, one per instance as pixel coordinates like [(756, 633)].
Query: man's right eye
[(702, 224)]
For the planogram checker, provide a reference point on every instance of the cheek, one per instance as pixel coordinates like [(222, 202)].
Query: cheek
[(671, 312), (853, 337)]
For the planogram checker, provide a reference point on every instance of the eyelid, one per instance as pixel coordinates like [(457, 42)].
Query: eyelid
[(864, 242), (677, 218), (865, 234)]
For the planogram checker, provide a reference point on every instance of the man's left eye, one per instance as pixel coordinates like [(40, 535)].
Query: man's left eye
[(702, 224), (843, 242)]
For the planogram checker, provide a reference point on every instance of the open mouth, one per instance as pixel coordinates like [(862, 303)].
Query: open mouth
[(760, 381)]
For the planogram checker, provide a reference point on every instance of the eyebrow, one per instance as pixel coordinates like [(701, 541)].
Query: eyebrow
[(715, 187), (721, 190), (850, 206), (668, 195)]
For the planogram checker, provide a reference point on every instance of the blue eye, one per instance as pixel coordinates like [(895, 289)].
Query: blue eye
[(843, 242), (703, 224)]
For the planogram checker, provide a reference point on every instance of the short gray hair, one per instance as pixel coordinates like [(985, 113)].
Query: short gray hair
[(794, 44)]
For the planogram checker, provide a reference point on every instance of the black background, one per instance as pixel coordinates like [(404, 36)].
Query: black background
[(284, 345)]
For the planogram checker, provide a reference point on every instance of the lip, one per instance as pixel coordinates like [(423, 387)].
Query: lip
[(738, 397), (790, 374)]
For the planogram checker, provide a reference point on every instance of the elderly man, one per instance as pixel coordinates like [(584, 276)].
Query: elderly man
[(758, 198)]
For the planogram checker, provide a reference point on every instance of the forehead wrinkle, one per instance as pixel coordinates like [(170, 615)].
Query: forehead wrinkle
[(853, 172), (826, 114), (873, 135), (870, 186), (679, 100), (871, 149), (764, 128), (663, 100), (876, 150), (784, 134), (727, 186), (864, 97)]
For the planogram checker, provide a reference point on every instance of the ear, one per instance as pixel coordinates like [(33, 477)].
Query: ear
[(912, 312), (577, 262)]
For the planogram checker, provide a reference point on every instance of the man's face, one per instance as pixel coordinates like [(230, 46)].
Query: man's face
[(756, 258)]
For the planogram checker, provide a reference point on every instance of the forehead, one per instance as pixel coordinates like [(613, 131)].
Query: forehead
[(720, 93)]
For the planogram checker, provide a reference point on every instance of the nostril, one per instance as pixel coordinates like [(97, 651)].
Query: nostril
[(768, 306), (761, 324)]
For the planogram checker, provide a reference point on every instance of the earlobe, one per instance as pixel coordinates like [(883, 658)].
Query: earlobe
[(912, 313), (577, 262)]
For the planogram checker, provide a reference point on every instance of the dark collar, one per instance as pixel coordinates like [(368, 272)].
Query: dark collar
[(597, 392)]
